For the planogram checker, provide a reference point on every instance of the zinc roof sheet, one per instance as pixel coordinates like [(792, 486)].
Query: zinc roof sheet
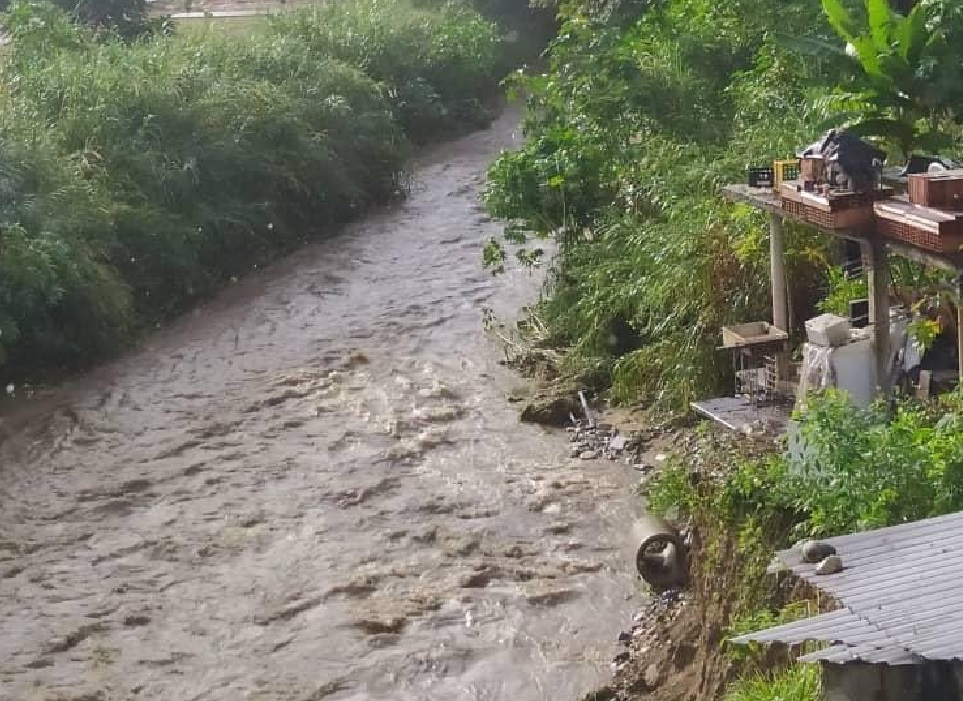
[(828, 627), (905, 583), (841, 654)]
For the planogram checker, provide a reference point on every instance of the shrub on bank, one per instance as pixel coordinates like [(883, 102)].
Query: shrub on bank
[(138, 176), (437, 64)]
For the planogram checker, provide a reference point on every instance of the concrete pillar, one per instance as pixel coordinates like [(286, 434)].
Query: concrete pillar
[(780, 296), (959, 327), (878, 273), (777, 269)]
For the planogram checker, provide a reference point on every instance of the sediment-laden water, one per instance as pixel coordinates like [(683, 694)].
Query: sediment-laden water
[(314, 488)]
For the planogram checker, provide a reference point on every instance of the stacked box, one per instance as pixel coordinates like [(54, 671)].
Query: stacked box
[(943, 189), (828, 330), (924, 227)]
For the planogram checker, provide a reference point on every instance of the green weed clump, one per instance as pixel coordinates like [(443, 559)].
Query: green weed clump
[(797, 683), (140, 175)]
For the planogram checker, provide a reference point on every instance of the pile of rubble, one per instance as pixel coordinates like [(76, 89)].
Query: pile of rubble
[(649, 626), (594, 441)]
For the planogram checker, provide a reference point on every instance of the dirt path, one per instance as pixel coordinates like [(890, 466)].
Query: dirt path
[(312, 488)]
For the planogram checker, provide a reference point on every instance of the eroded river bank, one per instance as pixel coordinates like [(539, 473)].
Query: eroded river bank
[(314, 487)]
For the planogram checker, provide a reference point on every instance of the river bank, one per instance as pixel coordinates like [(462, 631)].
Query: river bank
[(313, 487)]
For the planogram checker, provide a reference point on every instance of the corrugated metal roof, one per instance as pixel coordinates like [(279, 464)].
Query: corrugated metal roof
[(828, 627), (902, 582), (841, 654)]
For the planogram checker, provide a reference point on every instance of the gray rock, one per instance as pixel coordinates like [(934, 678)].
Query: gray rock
[(589, 454), (652, 676), (816, 551), (618, 443), (831, 565)]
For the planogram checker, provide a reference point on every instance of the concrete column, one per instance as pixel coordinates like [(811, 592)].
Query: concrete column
[(777, 269), (878, 272), (959, 327), (777, 274)]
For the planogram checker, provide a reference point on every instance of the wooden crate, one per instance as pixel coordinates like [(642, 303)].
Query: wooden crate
[(923, 227), (943, 190), (835, 211), (751, 333), (783, 171), (762, 177)]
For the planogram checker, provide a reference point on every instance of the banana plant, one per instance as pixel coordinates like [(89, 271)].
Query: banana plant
[(907, 80)]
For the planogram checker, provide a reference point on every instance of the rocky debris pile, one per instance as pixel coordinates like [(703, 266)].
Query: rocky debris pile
[(594, 441), (649, 629)]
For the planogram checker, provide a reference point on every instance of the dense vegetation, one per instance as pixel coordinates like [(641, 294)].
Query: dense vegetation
[(860, 469), (647, 108), (139, 175)]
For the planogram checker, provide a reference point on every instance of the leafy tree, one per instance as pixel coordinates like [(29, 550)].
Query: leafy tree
[(907, 77)]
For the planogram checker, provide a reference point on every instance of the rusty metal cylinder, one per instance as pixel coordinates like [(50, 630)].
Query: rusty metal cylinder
[(661, 557)]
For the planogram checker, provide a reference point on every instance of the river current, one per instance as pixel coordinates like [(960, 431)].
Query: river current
[(314, 487)]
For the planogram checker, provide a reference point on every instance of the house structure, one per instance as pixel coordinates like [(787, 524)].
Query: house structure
[(739, 413), (898, 632)]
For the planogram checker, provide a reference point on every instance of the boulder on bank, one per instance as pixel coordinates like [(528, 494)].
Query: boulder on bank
[(552, 409)]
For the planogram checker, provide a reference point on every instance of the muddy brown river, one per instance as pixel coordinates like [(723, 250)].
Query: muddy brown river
[(314, 487)]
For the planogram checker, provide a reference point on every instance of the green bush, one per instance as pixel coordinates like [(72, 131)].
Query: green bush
[(856, 469), (867, 469), (125, 18), (437, 65), (141, 175), (645, 111)]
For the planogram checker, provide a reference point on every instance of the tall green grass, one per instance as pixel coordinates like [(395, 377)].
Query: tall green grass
[(137, 176), (797, 683)]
